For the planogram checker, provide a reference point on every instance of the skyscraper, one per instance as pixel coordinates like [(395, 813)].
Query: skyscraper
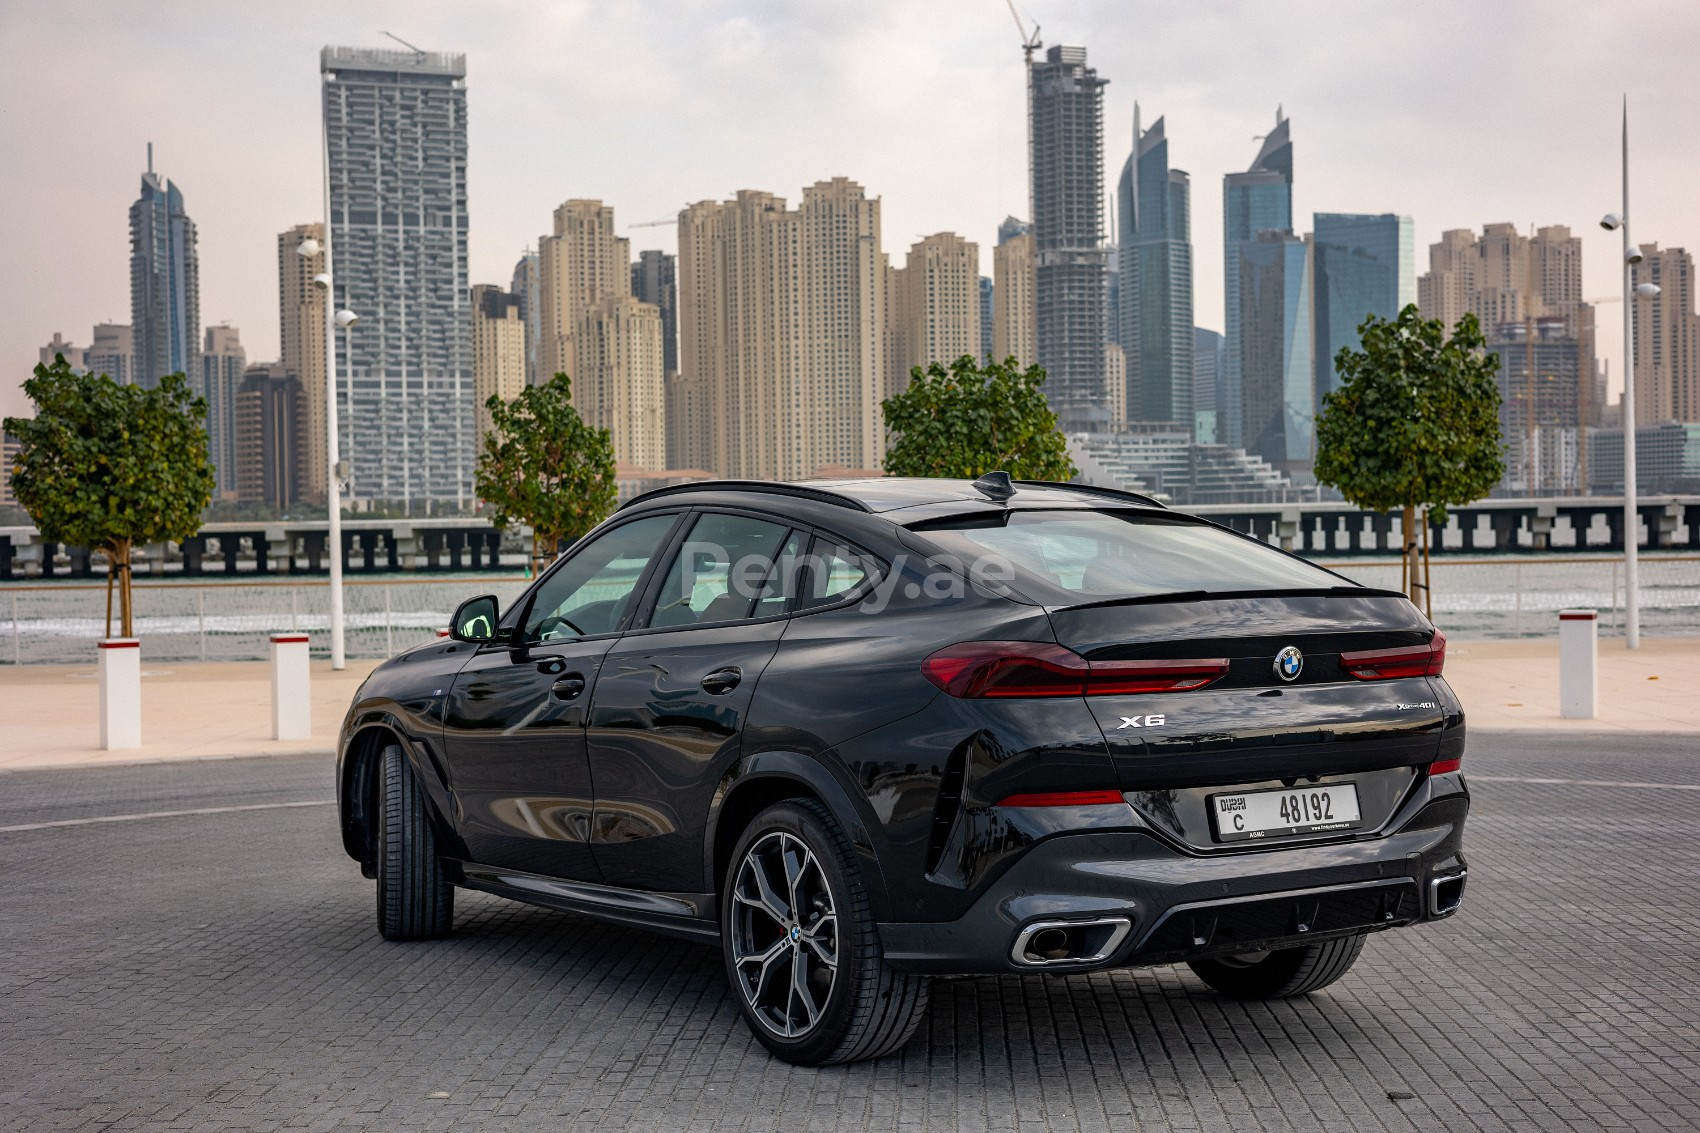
[(782, 339), (528, 285), (165, 287), (988, 301), (1154, 296), (395, 127), (1667, 339), (498, 349), (301, 323), (583, 264), (654, 281), (1365, 265), (1258, 200), (1013, 313), (222, 365), (1278, 379), (267, 421), (1207, 361), (1065, 100), (935, 310), (112, 353), (619, 384), (580, 261), (1503, 276), (1527, 294)]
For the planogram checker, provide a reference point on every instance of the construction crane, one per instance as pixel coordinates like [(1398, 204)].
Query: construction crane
[(419, 51), (1029, 43)]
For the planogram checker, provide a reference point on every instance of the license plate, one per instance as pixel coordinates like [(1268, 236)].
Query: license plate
[(1277, 814)]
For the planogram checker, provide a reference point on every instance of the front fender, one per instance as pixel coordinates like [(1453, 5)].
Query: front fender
[(772, 775), (370, 727)]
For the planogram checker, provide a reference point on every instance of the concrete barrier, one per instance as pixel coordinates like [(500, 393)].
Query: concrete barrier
[(1578, 664), (292, 699), (120, 693)]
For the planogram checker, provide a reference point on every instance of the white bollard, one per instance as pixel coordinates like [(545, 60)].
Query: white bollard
[(292, 698), (1578, 663), (120, 693)]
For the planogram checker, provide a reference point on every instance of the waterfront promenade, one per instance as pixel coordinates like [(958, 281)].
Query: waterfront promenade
[(223, 709)]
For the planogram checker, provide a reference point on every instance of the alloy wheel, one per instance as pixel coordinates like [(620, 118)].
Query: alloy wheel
[(784, 934)]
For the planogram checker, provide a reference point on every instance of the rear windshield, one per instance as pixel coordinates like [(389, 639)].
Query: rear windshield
[(1106, 554)]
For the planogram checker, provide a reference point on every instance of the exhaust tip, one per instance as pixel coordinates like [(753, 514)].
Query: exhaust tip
[(1446, 894), (1044, 944)]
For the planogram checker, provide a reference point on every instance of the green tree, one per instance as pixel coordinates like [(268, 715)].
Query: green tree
[(1413, 424), (109, 467), (971, 419), (542, 465)]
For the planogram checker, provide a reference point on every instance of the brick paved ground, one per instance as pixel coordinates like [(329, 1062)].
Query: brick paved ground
[(220, 971)]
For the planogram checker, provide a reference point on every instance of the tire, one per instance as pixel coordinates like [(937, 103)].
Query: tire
[(862, 1007), (415, 899), (1280, 974)]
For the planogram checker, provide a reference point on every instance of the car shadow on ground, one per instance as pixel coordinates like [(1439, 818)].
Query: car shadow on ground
[(1160, 1023)]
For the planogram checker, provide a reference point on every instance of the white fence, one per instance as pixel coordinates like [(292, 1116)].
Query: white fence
[(1507, 596)]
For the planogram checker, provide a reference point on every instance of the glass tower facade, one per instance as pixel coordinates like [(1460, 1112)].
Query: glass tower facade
[(395, 129), (1278, 379), (1365, 265), (1154, 293), (165, 283), (1258, 200), (1066, 127)]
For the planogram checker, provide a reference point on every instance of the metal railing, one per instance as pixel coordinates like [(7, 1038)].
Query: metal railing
[(230, 621), (1503, 596)]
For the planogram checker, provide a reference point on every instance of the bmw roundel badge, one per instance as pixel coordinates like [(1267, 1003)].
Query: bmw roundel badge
[(1289, 663)]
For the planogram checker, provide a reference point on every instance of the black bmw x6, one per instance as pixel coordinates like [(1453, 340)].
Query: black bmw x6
[(859, 733)]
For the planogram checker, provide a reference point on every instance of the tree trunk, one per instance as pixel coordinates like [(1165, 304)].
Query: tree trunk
[(121, 559), (1408, 581), (1428, 574), (111, 577)]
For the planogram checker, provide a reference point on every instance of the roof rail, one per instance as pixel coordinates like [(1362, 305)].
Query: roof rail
[(771, 487), (1094, 490)]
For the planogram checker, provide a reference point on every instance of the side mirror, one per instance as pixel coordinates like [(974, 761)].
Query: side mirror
[(476, 619)]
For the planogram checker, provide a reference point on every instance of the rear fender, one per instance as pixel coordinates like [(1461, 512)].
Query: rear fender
[(756, 781)]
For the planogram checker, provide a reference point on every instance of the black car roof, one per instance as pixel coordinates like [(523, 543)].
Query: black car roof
[(894, 493)]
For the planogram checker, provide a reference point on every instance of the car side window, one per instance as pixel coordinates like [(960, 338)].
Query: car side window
[(722, 572), (593, 591), (781, 582), (834, 571)]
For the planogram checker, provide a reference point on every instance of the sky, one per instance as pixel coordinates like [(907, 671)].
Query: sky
[(1455, 112)]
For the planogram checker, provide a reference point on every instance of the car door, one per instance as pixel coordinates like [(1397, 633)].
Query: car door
[(670, 703), (515, 716)]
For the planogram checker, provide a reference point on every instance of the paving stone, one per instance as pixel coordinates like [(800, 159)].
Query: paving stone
[(221, 972)]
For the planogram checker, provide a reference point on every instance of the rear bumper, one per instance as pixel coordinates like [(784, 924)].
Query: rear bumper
[(1178, 906)]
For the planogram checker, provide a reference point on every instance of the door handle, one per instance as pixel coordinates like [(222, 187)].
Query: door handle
[(568, 687), (722, 680)]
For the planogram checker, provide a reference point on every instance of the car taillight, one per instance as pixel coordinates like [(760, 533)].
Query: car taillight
[(1389, 664), (1063, 798), (1153, 676), (979, 669), (1445, 766)]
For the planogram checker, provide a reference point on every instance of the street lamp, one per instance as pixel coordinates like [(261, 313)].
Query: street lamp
[(334, 470), (1619, 222)]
